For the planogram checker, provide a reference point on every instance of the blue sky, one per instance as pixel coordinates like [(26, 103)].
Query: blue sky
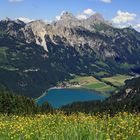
[(120, 12)]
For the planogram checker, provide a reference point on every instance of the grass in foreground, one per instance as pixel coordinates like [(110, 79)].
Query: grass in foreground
[(122, 126)]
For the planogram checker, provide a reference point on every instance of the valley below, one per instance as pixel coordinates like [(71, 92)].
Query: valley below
[(69, 79), (59, 97), (38, 56), (82, 88)]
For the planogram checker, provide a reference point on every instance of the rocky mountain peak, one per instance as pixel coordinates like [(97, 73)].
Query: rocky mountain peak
[(72, 47), (9, 22), (67, 16), (38, 28), (67, 20), (97, 17), (6, 19), (20, 22), (37, 24)]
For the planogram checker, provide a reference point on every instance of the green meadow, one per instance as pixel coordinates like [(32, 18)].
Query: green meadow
[(103, 85)]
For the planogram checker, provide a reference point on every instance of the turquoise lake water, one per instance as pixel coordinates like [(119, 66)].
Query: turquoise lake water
[(59, 97)]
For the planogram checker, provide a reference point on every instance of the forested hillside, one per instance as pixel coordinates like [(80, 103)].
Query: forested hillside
[(36, 56)]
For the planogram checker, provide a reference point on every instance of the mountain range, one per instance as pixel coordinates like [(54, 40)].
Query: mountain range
[(35, 56)]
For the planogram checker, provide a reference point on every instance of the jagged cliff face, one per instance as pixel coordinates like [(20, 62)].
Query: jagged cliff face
[(39, 31), (67, 46), (94, 32)]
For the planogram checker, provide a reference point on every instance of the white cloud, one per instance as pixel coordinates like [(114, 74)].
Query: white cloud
[(81, 16), (46, 21), (24, 19), (133, 24), (123, 25), (106, 1), (123, 17), (137, 27), (89, 12), (59, 16), (85, 14), (15, 0), (27, 20)]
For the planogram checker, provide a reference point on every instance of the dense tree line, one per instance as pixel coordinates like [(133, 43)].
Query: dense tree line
[(127, 99), (16, 104), (94, 107)]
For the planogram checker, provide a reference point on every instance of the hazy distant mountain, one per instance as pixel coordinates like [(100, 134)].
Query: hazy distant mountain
[(37, 55)]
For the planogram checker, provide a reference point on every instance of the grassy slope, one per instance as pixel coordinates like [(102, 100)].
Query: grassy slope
[(117, 80), (4, 64), (3, 54), (91, 83)]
